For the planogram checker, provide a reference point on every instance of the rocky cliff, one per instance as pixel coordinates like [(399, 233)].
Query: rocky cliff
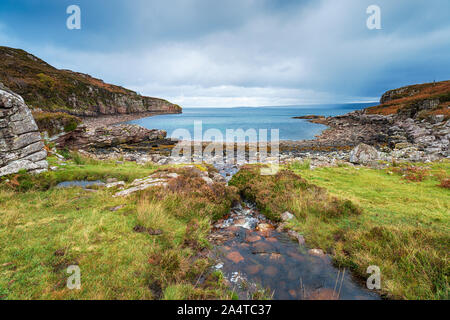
[(21, 146), (47, 88)]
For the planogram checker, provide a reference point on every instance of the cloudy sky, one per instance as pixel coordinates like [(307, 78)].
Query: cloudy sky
[(240, 52)]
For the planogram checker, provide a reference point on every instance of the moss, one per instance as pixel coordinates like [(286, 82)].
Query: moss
[(53, 122)]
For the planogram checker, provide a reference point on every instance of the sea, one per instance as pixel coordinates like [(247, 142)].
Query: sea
[(211, 124)]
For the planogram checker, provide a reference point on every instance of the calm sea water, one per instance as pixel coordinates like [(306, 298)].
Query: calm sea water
[(250, 118)]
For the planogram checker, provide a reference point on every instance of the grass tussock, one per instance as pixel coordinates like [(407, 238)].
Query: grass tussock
[(56, 122), (287, 191)]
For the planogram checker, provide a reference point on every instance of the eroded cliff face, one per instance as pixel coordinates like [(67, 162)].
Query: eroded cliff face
[(420, 102), (47, 88), (21, 146)]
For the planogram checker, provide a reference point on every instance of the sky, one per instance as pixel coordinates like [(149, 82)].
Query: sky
[(210, 53)]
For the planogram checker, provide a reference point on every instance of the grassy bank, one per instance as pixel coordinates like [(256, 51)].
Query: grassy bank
[(152, 247), (389, 218)]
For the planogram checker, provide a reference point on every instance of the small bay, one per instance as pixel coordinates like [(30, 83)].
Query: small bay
[(251, 118)]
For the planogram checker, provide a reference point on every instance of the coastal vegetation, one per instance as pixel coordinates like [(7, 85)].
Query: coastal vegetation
[(55, 122), (154, 244)]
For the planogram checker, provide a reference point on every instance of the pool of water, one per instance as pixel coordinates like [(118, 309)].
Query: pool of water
[(80, 183)]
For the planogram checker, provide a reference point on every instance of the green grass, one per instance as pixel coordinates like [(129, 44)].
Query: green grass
[(44, 229), (402, 226)]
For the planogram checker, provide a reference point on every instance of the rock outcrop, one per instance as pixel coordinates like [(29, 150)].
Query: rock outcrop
[(111, 136), (411, 123), (49, 89), (363, 154), (21, 146)]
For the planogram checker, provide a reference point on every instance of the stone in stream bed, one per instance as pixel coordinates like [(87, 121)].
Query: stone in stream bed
[(276, 257), (262, 247), (254, 269), (297, 236), (296, 256), (235, 257), (270, 271), (323, 294), (253, 238), (293, 293), (264, 227), (316, 252)]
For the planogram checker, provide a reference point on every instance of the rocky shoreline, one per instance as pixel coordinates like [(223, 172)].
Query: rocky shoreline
[(108, 120), (354, 138)]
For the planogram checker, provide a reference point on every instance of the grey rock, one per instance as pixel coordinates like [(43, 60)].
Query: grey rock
[(286, 216), (21, 146), (363, 154)]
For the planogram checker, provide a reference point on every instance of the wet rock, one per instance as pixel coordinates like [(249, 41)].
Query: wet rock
[(253, 238), (264, 227), (275, 256), (235, 256), (293, 293), (270, 271), (316, 252), (297, 236), (254, 269), (323, 294), (287, 216), (262, 247)]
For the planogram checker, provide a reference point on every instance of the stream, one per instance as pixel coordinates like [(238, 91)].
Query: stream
[(253, 256)]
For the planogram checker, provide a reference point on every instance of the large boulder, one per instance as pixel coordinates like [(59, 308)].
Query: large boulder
[(21, 146), (108, 136), (363, 154)]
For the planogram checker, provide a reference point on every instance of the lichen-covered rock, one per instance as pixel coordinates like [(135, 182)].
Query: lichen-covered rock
[(21, 146), (363, 154)]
